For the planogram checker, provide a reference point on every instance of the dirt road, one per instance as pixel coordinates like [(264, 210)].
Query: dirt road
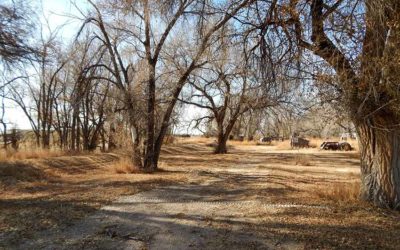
[(193, 216)]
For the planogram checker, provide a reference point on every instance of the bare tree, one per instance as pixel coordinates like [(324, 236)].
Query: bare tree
[(16, 26), (151, 45)]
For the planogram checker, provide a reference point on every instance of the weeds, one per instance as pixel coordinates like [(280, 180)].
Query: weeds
[(347, 192)]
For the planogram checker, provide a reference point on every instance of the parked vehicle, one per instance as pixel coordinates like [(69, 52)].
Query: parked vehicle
[(343, 146), (267, 140), (298, 142)]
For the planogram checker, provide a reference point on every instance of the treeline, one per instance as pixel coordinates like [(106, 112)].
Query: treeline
[(125, 75)]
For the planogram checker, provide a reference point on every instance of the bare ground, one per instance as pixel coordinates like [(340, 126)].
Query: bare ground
[(256, 197)]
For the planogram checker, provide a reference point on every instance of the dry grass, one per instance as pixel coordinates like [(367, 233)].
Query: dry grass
[(12, 155), (316, 142), (81, 185), (243, 143), (347, 192), (124, 166), (302, 160), (282, 145), (11, 172), (194, 140), (170, 139), (42, 194)]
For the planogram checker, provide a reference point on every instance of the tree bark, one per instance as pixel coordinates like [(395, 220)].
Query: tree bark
[(223, 135), (149, 163), (380, 163), (111, 138), (5, 137), (136, 157), (221, 146)]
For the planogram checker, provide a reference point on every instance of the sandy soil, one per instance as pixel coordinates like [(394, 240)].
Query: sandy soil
[(256, 197)]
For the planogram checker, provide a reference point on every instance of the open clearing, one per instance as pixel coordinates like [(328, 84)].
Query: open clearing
[(256, 197)]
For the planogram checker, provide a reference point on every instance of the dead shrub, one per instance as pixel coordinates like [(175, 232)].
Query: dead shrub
[(341, 192), (124, 166)]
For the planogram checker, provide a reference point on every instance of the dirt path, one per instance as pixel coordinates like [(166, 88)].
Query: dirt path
[(193, 216)]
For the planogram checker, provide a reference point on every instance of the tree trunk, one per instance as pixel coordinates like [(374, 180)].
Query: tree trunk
[(136, 157), (149, 164), (5, 137), (223, 135), (73, 130), (37, 137), (103, 141), (78, 135), (45, 138), (111, 138), (380, 163), (221, 146)]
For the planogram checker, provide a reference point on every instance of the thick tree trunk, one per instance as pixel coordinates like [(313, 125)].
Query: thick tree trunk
[(37, 137), (380, 162), (45, 138), (111, 138), (223, 135), (221, 146)]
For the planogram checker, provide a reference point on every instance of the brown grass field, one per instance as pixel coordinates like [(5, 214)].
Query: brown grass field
[(53, 192)]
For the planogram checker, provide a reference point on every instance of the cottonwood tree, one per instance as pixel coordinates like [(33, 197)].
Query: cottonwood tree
[(139, 33), (17, 24), (360, 41), (230, 86), (226, 96), (40, 88)]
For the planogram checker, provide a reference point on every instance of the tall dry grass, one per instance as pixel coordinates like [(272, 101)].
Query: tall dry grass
[(282, 145), (341, 192), (12, 155), (124, 166), (244, 142)]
